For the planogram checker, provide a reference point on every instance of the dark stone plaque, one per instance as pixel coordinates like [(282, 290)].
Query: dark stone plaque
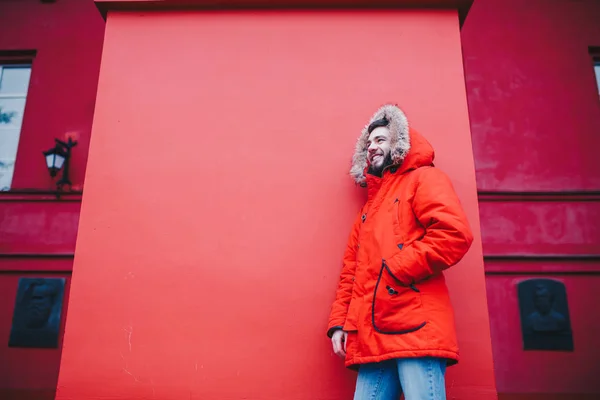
[(545, 319), (38, 308)]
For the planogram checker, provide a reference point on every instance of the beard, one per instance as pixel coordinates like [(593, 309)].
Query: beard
[(378, 170)]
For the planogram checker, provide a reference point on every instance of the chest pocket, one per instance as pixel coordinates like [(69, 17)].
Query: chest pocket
[(390, 229)]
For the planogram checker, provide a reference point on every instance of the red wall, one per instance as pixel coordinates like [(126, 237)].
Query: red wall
[(67, 36), (37, 231), (533, 98), (210, 244), (535, 118)]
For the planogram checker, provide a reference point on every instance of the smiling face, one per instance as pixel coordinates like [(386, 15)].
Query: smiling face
[(378, 149)]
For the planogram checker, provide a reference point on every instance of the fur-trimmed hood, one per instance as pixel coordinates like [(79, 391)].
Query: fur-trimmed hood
[(403, 140)]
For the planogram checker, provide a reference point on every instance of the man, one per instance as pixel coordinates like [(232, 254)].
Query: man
[(392, 318)]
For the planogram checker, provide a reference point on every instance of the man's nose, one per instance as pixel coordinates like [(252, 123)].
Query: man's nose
[(372, 147)]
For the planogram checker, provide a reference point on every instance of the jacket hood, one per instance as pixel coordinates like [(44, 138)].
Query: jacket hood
[(407, 147)]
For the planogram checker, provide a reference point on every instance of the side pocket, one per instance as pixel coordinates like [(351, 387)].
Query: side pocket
[(396, 308)]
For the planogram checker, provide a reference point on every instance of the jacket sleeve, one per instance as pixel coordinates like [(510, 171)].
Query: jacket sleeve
[(339, 308), (448, 235)]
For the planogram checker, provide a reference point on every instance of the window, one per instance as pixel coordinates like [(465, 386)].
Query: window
[(597, 70), (14, 81), (595, 54)]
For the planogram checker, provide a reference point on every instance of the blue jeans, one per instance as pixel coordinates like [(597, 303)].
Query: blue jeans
[(417, 378)]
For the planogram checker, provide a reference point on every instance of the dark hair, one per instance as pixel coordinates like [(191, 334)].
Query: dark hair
[(378, 123)]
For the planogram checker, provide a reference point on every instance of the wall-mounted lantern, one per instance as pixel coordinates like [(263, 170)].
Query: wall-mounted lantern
[(58, 158)]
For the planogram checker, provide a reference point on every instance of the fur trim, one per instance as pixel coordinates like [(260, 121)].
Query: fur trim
[(399, 137)]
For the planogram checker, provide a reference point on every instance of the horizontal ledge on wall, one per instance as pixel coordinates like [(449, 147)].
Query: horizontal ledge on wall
[(212, 4), (16, 56), (40, 195), (548, 396), (41, 272), (541, 257), (527, 271), (561, 264), (36, 263), (104, 6), (37, 255), (485, 196)]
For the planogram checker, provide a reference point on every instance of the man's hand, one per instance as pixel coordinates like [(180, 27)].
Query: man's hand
[(338, 340)]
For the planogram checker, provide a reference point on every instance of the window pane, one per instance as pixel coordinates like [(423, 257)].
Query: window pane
[(15, 80), (9, 141), (597, 69), (11, 112), (7, 167)]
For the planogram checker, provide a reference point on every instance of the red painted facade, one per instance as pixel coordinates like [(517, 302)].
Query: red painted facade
[(37, 231), (534, 111), (535, 114)]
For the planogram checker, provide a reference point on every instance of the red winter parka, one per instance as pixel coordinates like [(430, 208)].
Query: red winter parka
[(392, 297)]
